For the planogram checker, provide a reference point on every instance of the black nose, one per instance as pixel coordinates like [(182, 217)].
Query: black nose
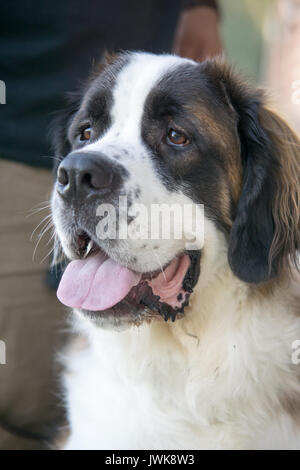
[(81, 174)]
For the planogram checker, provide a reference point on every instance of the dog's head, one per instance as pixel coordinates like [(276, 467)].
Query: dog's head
[(154, 130)]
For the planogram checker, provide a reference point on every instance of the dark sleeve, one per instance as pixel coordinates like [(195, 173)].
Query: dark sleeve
[(201, 3)]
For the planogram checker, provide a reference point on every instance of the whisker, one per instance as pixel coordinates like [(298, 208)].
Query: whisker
[(50, 240), (37, 208), (161, 268), (42, 221), (41, 204), (58, 255), (45, 229), (35, 211), (48, 254), (52, 157)]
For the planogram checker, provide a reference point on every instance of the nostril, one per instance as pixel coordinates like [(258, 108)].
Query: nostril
[(87, 180), (62, 176), (98, 179)]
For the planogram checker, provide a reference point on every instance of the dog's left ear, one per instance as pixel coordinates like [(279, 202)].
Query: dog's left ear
[(265, 233)]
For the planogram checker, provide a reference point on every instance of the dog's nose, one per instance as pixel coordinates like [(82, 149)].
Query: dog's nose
[(83, 173)]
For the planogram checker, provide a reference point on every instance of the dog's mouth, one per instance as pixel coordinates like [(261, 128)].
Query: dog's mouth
[(96, 283)]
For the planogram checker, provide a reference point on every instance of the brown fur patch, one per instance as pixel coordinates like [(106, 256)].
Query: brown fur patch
[(291, 404), (222, 134), (108, 58)]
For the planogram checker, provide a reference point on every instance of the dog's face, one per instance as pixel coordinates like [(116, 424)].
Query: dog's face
[(151, 130)]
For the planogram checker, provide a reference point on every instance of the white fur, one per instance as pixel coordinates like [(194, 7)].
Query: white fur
[(212, 380)]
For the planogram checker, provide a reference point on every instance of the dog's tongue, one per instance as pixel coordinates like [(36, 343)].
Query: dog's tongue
[(96, 283)]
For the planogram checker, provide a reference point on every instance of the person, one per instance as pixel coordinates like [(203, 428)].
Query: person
[(282, 65), (46, 49)]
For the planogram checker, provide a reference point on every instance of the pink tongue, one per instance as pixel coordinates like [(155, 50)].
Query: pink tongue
[(96, 283)]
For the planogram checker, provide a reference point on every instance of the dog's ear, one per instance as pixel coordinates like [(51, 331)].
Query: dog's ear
[(59, 127), (265, 233)]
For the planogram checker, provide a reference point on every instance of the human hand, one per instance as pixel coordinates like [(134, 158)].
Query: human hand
[(197, 35)]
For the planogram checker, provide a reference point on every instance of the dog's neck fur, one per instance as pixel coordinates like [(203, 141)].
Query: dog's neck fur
[(209, 380)]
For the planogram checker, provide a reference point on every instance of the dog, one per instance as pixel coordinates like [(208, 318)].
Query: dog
[(179, 346)]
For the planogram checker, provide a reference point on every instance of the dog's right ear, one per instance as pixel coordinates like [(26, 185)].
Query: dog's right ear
[(59, 127)]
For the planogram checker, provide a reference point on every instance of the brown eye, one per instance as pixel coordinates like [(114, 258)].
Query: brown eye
[(176, 138), (86, 134)]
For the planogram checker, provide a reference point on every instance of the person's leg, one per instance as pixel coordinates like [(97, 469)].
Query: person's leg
[(31, 319)]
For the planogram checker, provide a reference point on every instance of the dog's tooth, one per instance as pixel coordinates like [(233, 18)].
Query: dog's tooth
[(88, 248)]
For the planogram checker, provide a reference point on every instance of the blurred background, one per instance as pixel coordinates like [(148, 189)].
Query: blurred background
[(263, 38), (47, 49)]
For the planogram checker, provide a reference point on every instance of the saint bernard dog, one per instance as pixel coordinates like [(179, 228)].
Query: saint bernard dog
[(178, 348)]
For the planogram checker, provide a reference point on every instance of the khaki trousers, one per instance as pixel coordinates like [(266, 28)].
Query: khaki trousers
[(31, 318)]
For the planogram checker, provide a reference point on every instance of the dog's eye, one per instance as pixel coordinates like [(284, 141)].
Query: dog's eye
[(85, 134), (176, 138)]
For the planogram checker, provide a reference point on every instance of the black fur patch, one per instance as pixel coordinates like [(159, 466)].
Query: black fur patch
[(89, 105)]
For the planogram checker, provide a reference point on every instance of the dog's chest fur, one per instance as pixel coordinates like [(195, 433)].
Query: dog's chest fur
[(222, 380)]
